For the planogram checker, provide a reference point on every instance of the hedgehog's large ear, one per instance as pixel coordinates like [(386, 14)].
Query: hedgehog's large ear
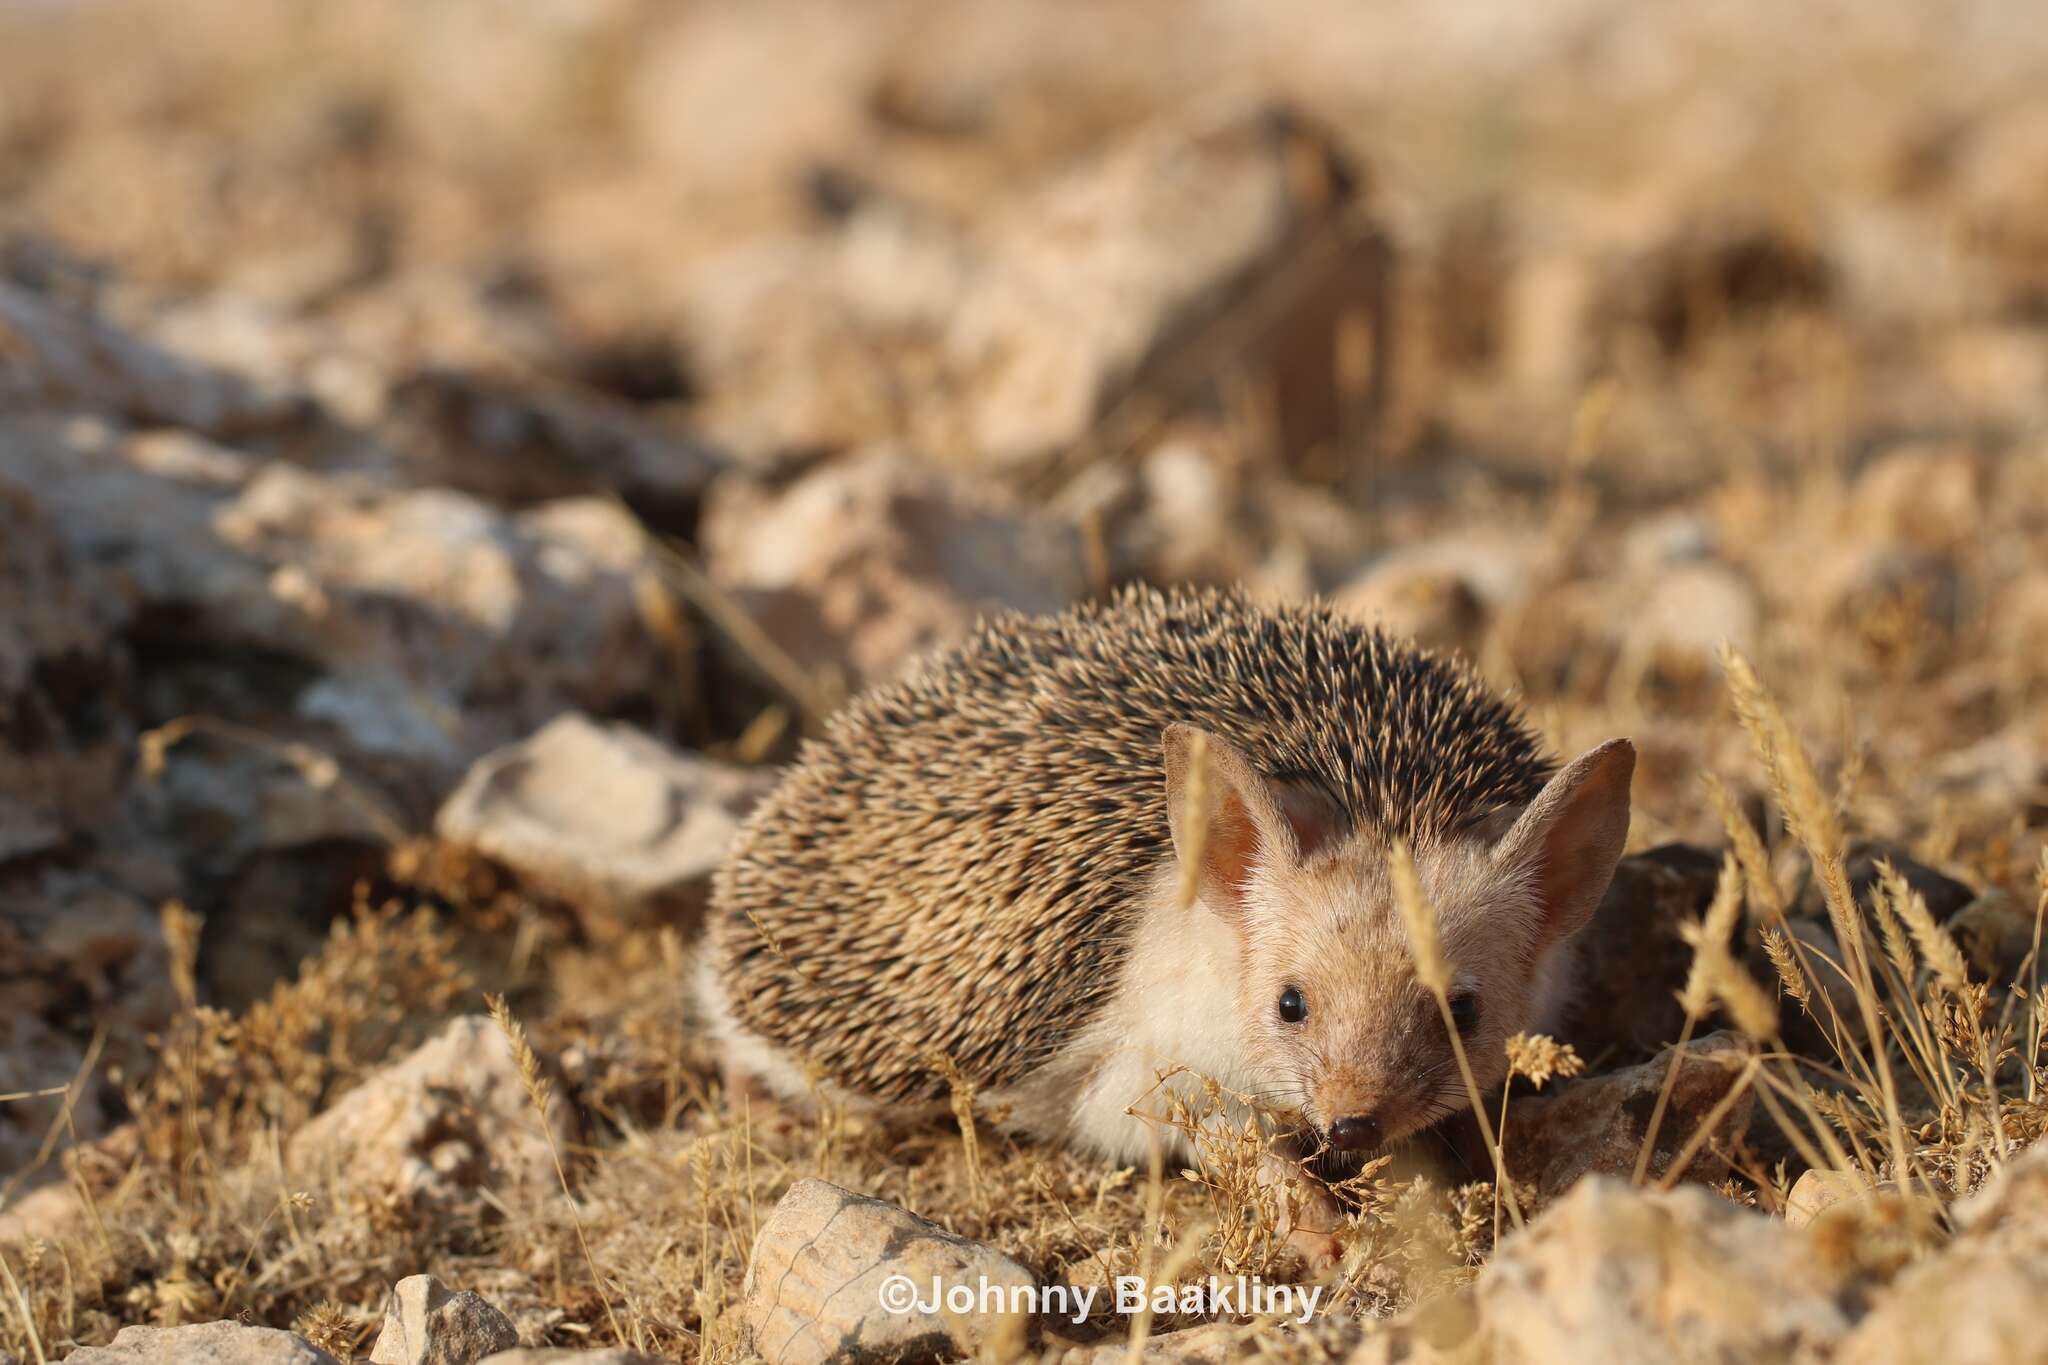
[(1225, 812), (1570, 837)]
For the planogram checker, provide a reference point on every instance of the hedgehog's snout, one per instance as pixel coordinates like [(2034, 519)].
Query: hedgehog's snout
[(1356, 1133)]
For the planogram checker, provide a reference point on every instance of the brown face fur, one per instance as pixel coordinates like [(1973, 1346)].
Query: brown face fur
[(1311, 904), (1372, 1043)]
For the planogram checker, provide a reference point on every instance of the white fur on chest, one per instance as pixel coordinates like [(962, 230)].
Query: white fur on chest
[(1174, 1011)]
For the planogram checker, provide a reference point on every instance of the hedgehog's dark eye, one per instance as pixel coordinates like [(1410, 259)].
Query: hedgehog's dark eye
[(1465, 1011), (1293, 1009)]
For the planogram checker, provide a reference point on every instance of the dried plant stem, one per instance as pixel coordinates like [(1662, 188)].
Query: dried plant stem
[(1663, 1101), (28, 1321), (1704, 1133), (1811, 817), (1155, 1217), (1829, 1152), (538, 1093), (815, 697), (1500, 1144), (1435, 974)]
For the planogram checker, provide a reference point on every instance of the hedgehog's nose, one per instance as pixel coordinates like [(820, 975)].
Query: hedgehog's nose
[(1357, 1133)]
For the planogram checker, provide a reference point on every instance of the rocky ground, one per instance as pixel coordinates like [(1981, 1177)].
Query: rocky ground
[(450, 455)]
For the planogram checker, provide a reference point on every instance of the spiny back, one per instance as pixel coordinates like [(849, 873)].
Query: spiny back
[(956, 864)]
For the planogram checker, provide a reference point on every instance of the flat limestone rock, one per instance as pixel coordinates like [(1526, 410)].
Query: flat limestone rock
[(612, 820), (826, 1259), (426, 1323), (1597, 1125), (450, 1117), (204, 1343)]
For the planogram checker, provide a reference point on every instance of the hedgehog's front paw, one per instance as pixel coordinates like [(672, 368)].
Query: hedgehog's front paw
[(1319, 1252), (1310, 1216)]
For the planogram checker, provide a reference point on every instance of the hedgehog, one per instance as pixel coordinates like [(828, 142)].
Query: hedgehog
[(1147, 841)]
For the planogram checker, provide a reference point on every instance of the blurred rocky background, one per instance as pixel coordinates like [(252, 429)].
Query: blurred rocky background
[(453, 449)]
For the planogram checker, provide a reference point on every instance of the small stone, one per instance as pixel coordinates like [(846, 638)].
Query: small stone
[(609, 819), (450, 1118), (1597, 1125), (48, 1212), (563, 1355), (826, 1256), (427, 1324), (204, 1343), (1817, 1191)]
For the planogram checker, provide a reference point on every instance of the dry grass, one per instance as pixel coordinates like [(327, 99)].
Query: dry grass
[(1888, 681), (1936, 1080)]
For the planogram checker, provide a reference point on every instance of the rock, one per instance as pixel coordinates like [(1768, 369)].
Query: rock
[(1717, 266), (520, 442), (611, 820), (80, 942), (409, 631), (205, 1343), (76, 953), (1633, 960), (1667, 539), (441, 620), (1976, 1302), (49, 1212), (866, 563), (1996, 932), (815, 1279), (1324, 1338), (1945, 896), (1816, 1191), (559, 1355), (1902, 606), (1677, 625), (802, 344), (35, 1057), (427, 1324), (65, 357), (62, 680), (1928, 496), (1119, 276), (1596, 1125), (2020, 606), (1610, 1273), (2011, 1211), (451, 1117), (1109, 280), (1445, 592)]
